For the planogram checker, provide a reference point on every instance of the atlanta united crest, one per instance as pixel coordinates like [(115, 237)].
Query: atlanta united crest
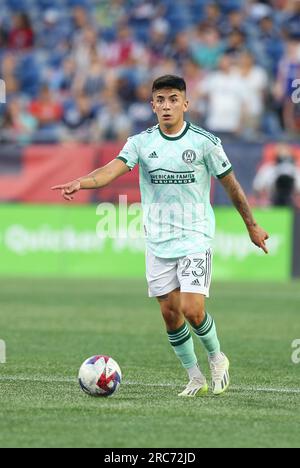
[(189, 156)]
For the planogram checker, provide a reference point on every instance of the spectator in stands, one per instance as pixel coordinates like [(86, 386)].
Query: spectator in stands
[(158, 41), (267, 44), (3, 38), (84, 48), (208, 47), (85, 45), (289, 71), (140, 112), (9, 74), (292, 23), (21, 35), (180, 50), (140, 17), (235, 21), (213, 17), (255, 83), (125, 90), (279, 183), (48, 112), (53, 32), (111, 13), (62, 79), (113, 123), (236, 43), (257, 10), (194, 77), (92, 80), (18, 126), (124, 52), (79, 118), (80, 21), (226, 100)]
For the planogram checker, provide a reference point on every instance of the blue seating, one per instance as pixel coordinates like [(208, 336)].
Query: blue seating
[(54, 42)]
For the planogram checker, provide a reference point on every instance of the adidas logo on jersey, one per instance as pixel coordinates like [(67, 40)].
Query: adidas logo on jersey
[(153, 155), (196, 283)]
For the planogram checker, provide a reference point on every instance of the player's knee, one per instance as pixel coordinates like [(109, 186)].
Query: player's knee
[(170, 315), (194, 313)]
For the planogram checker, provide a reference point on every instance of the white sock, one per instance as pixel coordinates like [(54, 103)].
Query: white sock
[(195, 372)]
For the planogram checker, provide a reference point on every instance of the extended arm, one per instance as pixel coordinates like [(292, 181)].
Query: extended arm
[(97, 179), (239, 199)]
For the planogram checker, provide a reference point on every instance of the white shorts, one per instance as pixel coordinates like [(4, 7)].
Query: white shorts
[(191, 274)]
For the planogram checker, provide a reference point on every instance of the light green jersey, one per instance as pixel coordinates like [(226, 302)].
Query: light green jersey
[(175, 182)]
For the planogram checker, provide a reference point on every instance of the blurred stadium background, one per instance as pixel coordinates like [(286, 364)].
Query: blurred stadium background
[(77, 77)]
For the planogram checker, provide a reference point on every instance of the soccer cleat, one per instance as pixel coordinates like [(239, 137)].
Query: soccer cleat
[(220, 374), (196, 387)]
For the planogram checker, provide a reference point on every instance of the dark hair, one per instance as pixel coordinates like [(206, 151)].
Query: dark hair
[(169, 81), (24, 19)]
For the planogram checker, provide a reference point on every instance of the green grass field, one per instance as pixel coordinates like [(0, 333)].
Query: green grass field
[(51, 327)]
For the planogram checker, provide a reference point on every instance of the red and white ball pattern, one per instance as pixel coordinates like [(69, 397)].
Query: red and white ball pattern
[(100, 376)]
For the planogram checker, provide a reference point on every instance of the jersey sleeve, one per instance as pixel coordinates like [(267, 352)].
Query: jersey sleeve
[(217, 160), (129, 154)]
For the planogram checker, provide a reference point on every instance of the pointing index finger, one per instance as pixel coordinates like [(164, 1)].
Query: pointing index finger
[(264, 247), (58, 187)]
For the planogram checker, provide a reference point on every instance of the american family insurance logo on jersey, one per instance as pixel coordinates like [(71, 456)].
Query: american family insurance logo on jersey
[(164, 177), (2, 92), (2, 352)]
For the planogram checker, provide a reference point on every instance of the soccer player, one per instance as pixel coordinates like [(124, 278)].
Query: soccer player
[(177, 160)]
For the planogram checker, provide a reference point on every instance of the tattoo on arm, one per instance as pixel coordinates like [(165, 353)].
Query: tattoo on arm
[(95, 181), (239, 199)]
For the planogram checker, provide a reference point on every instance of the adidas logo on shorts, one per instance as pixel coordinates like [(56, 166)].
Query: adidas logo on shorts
[(196, 283)]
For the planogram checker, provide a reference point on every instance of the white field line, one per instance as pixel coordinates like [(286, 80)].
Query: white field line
[(64, 380)]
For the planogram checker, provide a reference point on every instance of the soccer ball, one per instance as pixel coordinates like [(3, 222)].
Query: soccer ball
[(100, 376)]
